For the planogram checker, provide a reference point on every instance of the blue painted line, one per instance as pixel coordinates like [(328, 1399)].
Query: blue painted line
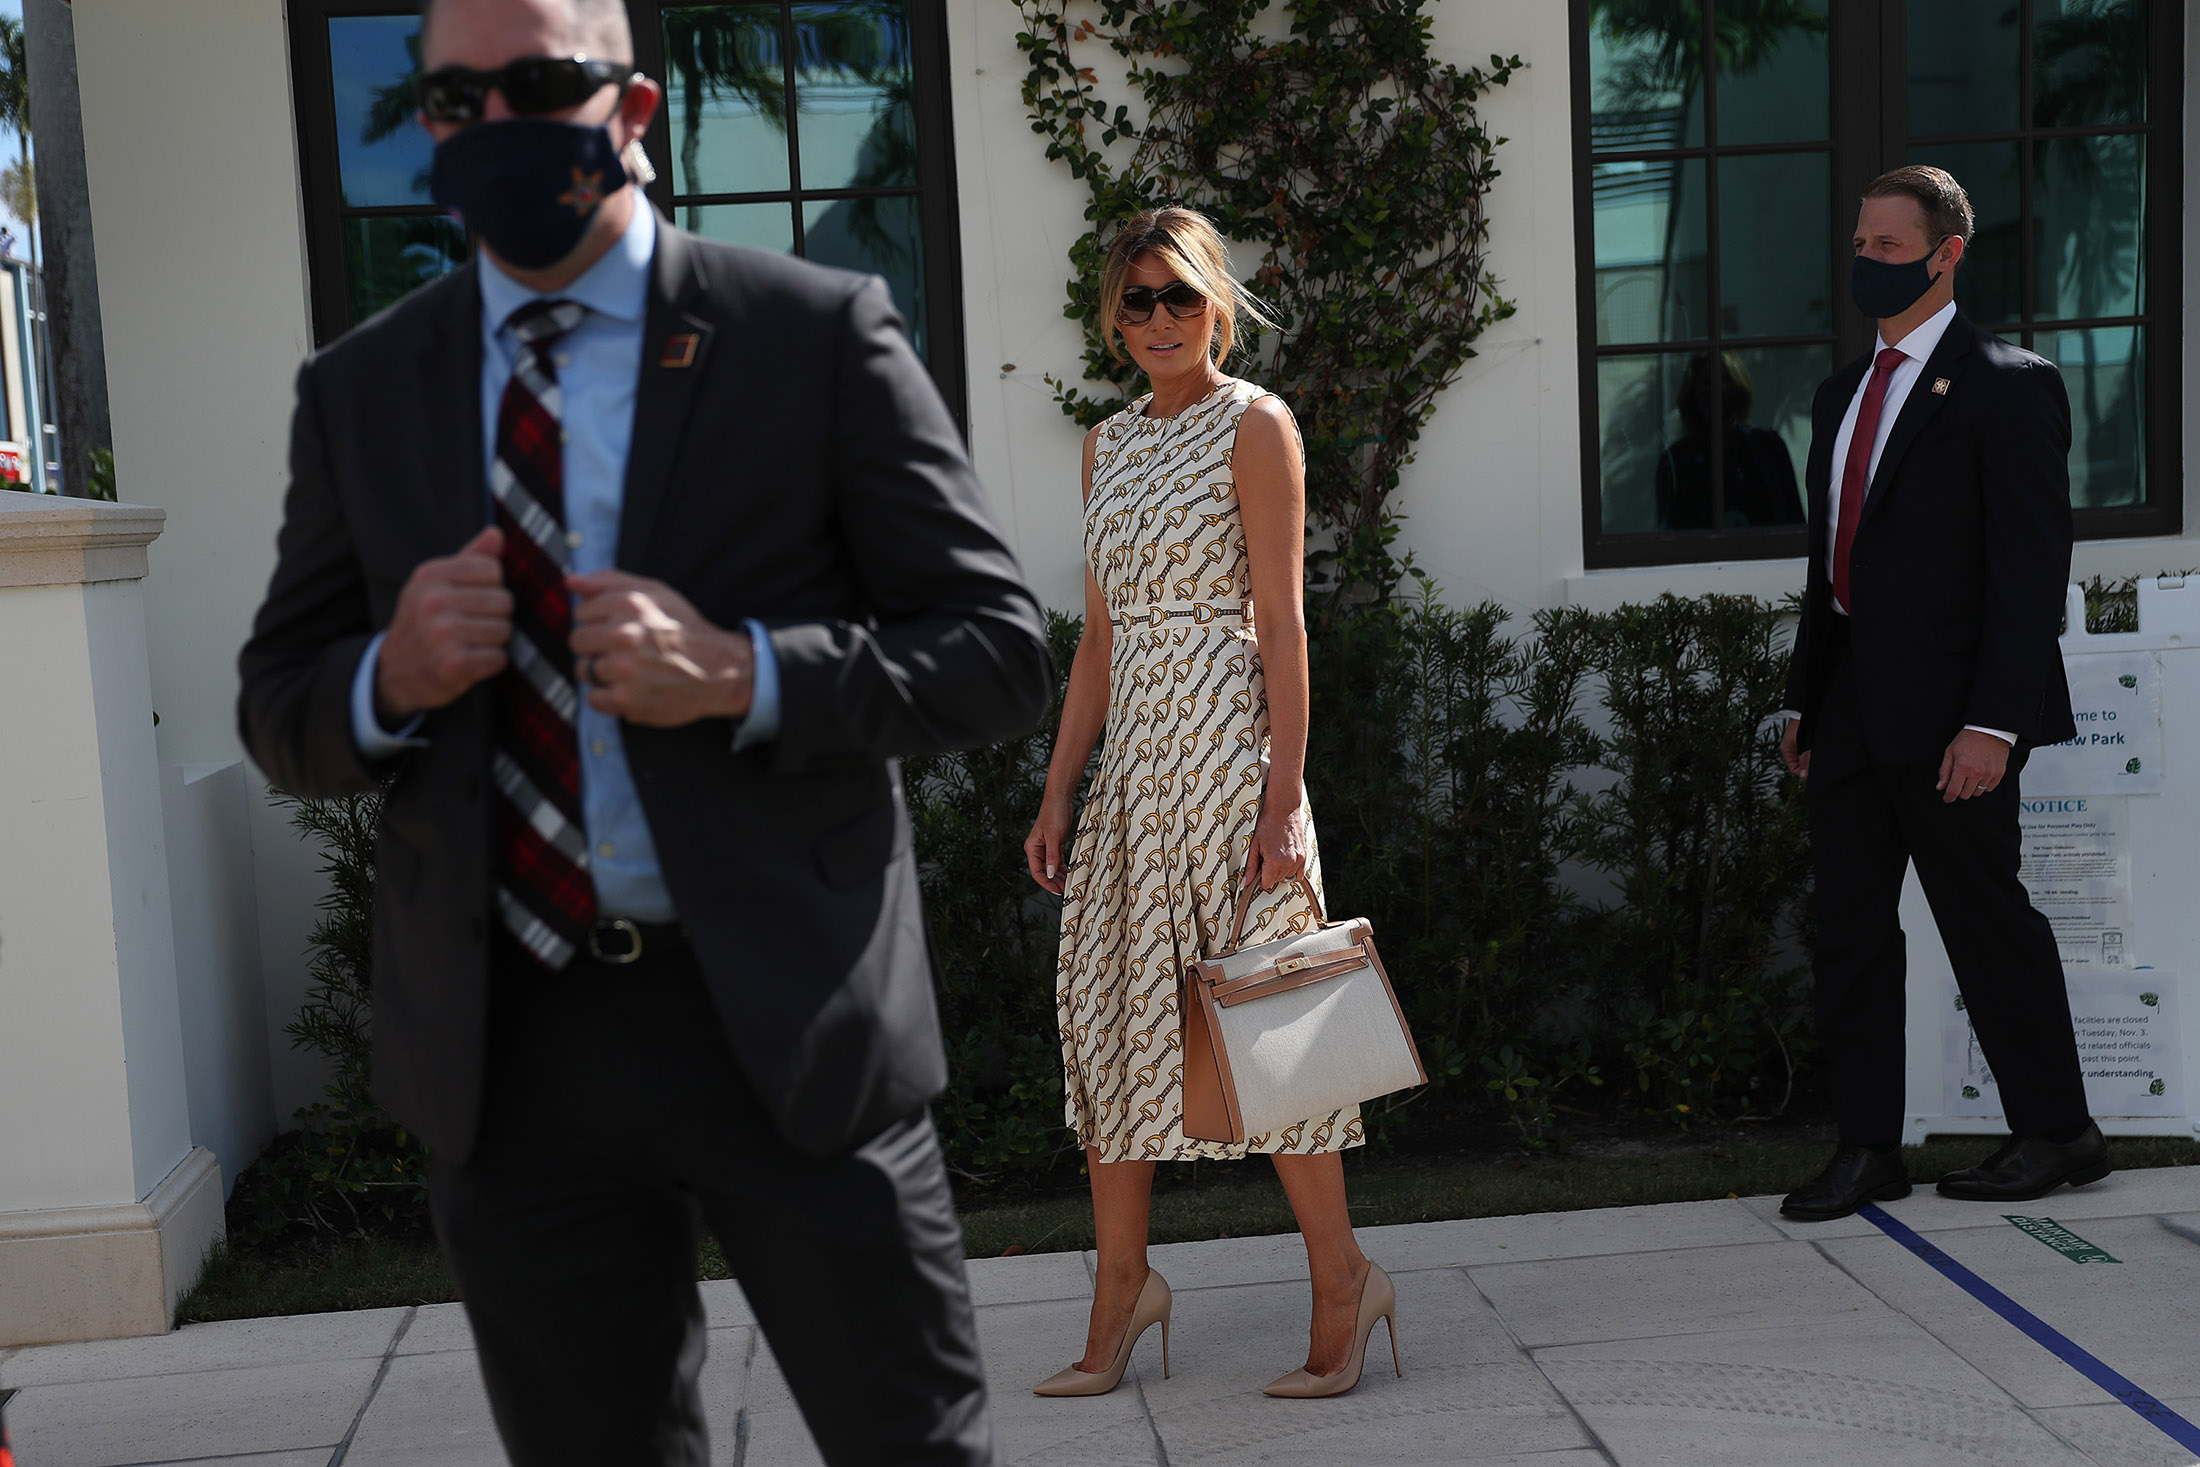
[(2054, 1341)]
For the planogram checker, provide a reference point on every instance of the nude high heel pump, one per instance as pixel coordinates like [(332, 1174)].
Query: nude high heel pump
[(1152, 1309), (1378, 1301)]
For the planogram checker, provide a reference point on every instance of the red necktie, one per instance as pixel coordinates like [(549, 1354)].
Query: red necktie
[(545, 896), (1856, 475)]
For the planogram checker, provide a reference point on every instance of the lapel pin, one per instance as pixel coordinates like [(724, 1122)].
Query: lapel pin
[(680, 351), (1940, 387)]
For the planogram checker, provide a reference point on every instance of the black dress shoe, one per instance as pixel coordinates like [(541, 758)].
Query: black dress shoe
[(1855, 1176), (2029, 1167)]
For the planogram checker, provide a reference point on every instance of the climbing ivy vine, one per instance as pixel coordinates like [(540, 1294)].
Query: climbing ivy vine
[(1323, 135)]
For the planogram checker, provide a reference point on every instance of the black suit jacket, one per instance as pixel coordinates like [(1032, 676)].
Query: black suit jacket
[(801, 470), (1960, 559)]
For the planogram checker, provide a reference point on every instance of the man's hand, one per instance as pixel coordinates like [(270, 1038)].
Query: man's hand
[(1796, 758), (453, 620), (647, 656), (1974, 764)]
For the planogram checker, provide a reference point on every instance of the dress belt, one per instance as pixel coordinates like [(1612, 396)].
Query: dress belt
[(1199, 613)]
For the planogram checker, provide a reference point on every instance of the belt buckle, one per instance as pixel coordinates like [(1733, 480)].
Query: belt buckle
[(617, 959)]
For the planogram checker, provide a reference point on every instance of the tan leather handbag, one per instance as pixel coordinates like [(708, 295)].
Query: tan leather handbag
[(1290, 1030)]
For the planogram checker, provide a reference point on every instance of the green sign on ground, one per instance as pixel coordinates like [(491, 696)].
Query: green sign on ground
[(2061, 1239)]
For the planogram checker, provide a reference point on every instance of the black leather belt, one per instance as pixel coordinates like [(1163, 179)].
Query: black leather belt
[(619, 941)]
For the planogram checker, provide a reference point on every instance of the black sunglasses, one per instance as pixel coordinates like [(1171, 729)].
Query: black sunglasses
[(532, 86), (1138, 302)]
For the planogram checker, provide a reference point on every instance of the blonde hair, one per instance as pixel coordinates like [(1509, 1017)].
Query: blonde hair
[(1188, 243)]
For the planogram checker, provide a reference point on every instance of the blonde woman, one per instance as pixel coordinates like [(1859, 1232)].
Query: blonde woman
[(1193, 663)]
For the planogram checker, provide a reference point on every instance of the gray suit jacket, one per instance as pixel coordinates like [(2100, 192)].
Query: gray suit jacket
[(801, 470)]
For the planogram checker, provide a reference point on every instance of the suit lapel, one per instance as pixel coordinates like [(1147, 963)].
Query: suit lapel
[(450, 386), (1918, 408), (675, 350)]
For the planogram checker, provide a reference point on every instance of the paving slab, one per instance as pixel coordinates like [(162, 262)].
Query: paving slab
[(1029, 1278), (1528, 1238), (430, 1411), (725, 1306), (435, 1328), (2116, 1436), (1678, 1292), (2121, 1194), (204, 1413), (229, 1345), (2138, 1314)]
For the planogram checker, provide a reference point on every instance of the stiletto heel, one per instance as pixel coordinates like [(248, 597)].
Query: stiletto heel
[(1153, 1307), (1378, 1301)]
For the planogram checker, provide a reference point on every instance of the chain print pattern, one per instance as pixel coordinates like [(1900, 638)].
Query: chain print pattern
[(1164, 835)]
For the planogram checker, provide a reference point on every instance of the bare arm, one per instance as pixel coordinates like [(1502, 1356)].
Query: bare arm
[(1270, 469), (1084, 715)]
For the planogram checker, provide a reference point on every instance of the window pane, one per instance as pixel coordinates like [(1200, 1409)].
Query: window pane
[(1650, 258), (2089, 62), (2089, 200), (1646, 75), (759, 226), (1773, 73), (879, 236), (856, 114), (1775, 244), (1637, 421), (390, 256), (1765, 459), (2104, 371), (1989, 281), (1964, 74), (726, 99), (382, 154)]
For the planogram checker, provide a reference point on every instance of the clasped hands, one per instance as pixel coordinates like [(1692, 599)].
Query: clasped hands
[(1282, 846), (1973, 764), (646, 655)]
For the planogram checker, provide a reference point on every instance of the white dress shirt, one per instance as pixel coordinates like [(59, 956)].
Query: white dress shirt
[(1915, 348)]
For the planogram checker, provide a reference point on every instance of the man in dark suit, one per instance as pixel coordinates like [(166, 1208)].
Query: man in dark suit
[(1926, 667), (634, 562)]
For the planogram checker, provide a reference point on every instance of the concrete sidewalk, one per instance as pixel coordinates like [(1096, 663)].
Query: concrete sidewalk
[(1693, 1334)]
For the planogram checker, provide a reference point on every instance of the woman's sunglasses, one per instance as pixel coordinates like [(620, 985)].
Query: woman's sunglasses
[(1138, 302), (532, 86)]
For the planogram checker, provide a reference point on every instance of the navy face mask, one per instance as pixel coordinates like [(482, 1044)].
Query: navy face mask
[(528, 188), (1882, 291)]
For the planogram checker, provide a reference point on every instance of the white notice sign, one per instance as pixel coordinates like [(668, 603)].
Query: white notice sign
[(2128, 1044), (2077, 866), (2116, 698)]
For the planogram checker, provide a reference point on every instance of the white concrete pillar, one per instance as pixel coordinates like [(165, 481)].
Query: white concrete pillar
[(106, 1208)]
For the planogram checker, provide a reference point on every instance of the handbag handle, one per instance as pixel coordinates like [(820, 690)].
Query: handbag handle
[(1245, 906)]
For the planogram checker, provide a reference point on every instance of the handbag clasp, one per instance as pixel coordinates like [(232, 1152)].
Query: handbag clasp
[(1293, 963)]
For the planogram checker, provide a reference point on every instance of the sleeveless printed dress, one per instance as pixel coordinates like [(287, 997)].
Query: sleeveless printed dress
[(1162, 842)]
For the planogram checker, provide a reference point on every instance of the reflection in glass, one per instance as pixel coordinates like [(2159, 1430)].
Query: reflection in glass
[(856, 110), (1786, 379), (1775, 238), (2089, 198), (1645, 76), (382, 156), (1636, 419), (2089, 62), (1758, 472), (727, 97), (1773, 72), (1651, 267), (759, 226), (1989, 282), (2104, 372), (881, 236), (1964, 72), (389, 256)]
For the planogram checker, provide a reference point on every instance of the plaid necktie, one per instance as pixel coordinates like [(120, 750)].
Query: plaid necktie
[(545, 896)]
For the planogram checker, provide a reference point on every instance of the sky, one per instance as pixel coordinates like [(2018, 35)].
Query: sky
[(14, 9)]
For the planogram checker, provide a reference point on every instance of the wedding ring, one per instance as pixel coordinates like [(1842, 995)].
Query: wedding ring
[(588, 671)]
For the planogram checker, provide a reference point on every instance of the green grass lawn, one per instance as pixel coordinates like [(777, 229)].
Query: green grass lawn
[(1221, 1202)]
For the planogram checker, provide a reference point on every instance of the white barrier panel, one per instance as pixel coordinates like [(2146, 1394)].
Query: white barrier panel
[(2112, 857)]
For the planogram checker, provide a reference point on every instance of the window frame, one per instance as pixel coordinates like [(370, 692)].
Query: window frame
[(1868, 85), (328, 281)]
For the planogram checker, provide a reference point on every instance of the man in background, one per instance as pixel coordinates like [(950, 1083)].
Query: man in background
[(634, 563), (1926, 668)]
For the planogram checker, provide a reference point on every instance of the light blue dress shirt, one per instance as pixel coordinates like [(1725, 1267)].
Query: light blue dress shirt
[(599, 366)]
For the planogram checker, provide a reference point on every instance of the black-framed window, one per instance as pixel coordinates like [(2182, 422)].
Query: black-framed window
[(819, 127), (1713, 206)]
